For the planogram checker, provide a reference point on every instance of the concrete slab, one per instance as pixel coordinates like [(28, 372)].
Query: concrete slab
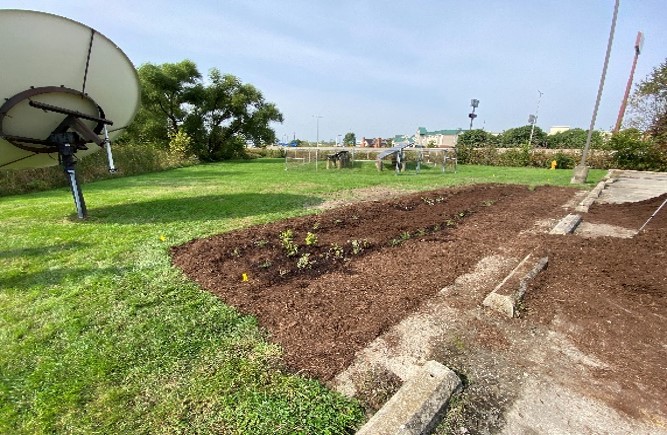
[(589, 230), (633, 186), (419, 404)]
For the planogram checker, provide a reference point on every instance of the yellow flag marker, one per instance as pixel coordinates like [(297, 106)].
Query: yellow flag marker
[(554, 164), (244, 277)]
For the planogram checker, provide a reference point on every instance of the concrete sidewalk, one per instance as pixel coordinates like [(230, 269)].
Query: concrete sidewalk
[(633, 186)]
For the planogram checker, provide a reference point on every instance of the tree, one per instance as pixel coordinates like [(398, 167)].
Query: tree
[(226, 114), (476, 138), (519, 136), (165, 92), (219, 116), (575, 138), (648, 104), (350, 139)]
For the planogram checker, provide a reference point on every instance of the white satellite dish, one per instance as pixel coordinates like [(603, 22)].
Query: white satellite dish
[(65, 91)]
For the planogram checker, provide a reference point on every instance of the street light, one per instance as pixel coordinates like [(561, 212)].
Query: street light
[(474, 103), (532, 119)]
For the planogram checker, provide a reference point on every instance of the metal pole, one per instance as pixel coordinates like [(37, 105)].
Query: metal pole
[(654, 213), (582, 164), (317, 144)]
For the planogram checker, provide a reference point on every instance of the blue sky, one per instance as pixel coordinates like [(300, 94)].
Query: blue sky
[(380, 68)]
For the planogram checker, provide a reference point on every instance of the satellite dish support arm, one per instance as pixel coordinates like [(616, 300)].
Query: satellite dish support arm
[(74, 122)]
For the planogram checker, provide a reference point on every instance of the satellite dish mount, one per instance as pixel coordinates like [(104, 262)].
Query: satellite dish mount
[(70, 136)]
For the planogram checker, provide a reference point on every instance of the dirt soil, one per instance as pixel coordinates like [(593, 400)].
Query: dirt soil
[(325, 286)]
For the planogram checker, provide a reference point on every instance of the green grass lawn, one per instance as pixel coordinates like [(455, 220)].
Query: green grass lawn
[(100, 334)]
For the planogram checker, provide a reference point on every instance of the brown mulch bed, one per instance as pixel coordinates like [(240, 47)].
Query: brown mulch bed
[(375, 262)]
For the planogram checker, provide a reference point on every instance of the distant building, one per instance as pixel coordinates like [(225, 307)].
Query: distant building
[(376, 142), (437, 138), (558, 129), (403, 138)]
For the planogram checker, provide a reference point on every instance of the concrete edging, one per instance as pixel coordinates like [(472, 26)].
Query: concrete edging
[(567, 225), (507, 295), (595, 193), (418, 406)]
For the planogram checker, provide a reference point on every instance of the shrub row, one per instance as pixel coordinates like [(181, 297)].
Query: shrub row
[(129, 160), (538, 157)]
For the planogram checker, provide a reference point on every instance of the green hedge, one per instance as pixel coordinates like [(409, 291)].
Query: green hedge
[(129, 160), (538, 157)]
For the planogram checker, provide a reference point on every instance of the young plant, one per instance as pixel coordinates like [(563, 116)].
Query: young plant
[(287, 241), (311, 239), (260, 243), (358, 246), (335, 251), (395, 242), (305, 262)]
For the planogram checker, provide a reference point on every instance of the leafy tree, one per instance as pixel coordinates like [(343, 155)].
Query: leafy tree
[(477, 138), (218, 116), (165, 92), (648, 105), (574, 138), (226, 114), (350, 139), (519, 136)]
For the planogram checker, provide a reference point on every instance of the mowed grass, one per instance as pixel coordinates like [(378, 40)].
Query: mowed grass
[(100, 334)]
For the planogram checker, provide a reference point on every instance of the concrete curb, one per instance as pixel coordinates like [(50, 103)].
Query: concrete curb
[(594, 194), (418, 406), (590, 198), (567, 225), (507, 295)]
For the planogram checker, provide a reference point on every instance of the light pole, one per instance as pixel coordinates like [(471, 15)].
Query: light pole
[(317, 144), (581, 171), (474, 103), (533, 119)]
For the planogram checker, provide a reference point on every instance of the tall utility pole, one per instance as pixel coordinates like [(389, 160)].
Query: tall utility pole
[(639, 43), (474, 103), (533, 119), (581, 171), (317, 144)]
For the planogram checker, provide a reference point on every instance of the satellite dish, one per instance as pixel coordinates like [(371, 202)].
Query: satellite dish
[(65, 91)]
